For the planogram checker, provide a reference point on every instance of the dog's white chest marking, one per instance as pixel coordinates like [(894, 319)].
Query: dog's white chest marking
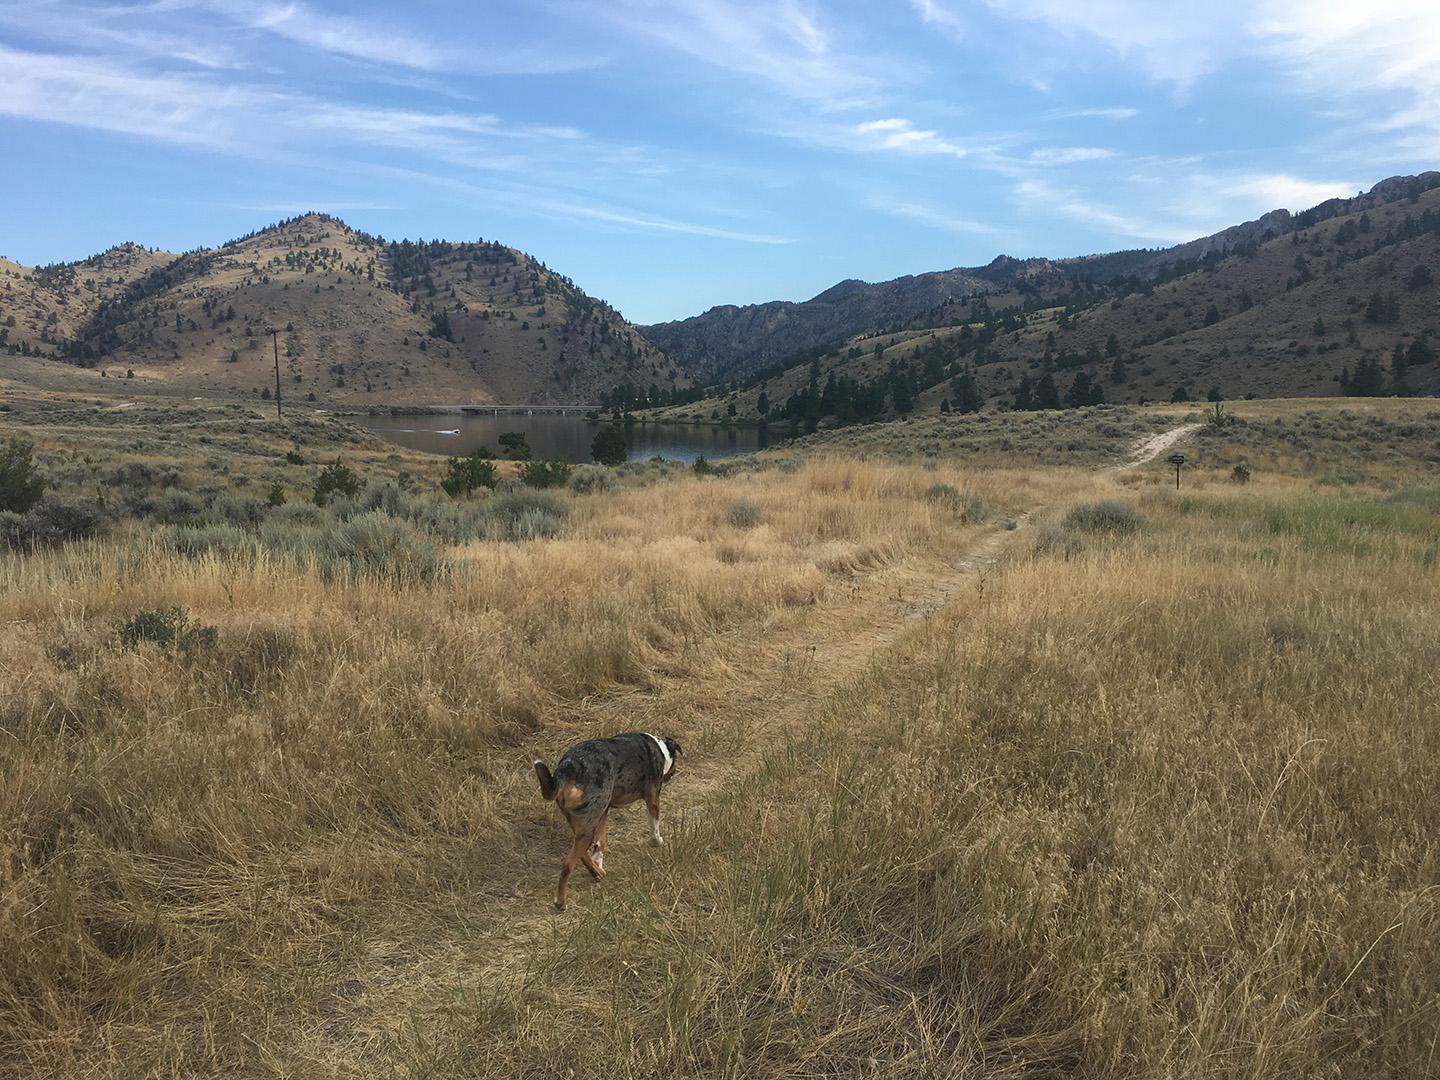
[(665, 753)]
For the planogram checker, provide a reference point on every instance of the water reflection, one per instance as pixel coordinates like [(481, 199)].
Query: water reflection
[(556, 435)]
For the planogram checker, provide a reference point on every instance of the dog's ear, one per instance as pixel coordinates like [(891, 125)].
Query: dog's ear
[(674, 748)]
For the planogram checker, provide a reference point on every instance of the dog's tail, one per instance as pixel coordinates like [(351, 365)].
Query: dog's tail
[(547, 782)]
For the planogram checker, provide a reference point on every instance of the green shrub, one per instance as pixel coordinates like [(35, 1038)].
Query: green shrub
[(452, 522), (21, 484), (464, 475), (166, 628), (277, 494), (376, 545), (294, 457), (295, 516), (202, 539), (1051, 537), (1106, 516), (534, 525), (524, 514), (702, 467), (610, 447), (389, 498), (1240, 474), (336, 478), (744, 514), (176, 507), (592, 479), (546, 473), (51, 521), (516, 447), (242, 511)]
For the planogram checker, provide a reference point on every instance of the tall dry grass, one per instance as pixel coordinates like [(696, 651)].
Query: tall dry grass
[(1157, 805), (225, 859)]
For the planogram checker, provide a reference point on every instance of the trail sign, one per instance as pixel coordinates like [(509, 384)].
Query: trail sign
[(1177, 460)]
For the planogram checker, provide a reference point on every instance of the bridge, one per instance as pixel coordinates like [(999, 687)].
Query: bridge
[(527, 410)]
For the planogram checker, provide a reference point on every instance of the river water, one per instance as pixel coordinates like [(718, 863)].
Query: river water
[(557, 435)]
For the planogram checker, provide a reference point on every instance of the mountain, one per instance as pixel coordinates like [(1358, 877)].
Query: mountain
[(729, 342), (360, 320), (1342, 298), (732, 340)]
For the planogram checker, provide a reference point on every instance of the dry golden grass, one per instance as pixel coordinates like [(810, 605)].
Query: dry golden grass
[(1160, 804), (214, 859)]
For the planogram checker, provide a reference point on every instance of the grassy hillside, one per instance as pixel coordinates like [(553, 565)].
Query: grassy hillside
[(1326, 309), (1022, 771), (360, 320)]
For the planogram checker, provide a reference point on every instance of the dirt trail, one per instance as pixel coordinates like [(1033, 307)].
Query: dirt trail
[(1151, 448)]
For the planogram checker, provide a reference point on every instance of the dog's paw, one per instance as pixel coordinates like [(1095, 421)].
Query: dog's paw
[(657, 841), (559, 906), (599, 857)]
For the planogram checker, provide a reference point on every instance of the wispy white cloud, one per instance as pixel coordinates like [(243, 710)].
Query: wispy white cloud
[(196, 110), (1339, 48), (1069, 155), (1119, 113), (95, 94), (1041, 198), (783, 46), (241, 34), (1345, 49), (1275, 190), (939, 15), (899, 134), (1205, 201), (128, 32), (525, 197), (1176, 43), (659, 224), (348, 36), (928, 215)]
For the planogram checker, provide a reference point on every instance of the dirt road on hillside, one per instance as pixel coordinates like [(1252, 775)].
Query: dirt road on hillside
[(1151, 448)]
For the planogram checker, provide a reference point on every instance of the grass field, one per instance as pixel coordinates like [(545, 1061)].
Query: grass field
[(1016, 771)]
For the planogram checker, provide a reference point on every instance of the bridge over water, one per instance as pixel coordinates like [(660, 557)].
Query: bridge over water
[(526, 410)]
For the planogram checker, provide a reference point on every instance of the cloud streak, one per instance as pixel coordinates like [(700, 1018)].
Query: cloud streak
[(782, 46), (346, 36), (901, 135)]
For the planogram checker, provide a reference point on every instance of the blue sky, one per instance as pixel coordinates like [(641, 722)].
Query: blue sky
[(670, 155)]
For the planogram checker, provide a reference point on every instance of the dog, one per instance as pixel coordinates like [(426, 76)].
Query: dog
[(594, 775)]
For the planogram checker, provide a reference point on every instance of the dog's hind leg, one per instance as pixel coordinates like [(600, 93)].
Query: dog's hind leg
[(579, 852), (597, 849), (593, 857), (652, 803)]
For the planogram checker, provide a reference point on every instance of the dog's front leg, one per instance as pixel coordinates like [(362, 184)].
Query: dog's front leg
[(652, 803)]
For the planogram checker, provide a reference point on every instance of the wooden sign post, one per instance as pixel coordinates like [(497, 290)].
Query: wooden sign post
[(1177, 460)]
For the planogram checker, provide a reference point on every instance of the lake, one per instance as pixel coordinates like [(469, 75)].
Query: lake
[(567, 436)]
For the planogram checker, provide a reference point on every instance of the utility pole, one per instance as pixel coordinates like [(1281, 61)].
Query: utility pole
[(275, 340)]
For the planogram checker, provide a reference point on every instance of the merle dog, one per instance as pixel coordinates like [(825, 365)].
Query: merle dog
[(595, 775)]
